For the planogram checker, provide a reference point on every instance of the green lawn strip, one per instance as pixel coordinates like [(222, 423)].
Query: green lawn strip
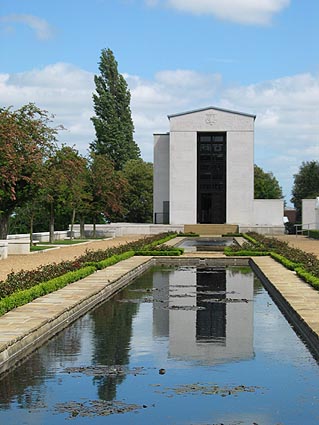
[(40, 248), (65, 242), (23, 297)]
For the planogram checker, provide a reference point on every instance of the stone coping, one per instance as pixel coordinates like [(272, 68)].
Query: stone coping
[(26, 328)]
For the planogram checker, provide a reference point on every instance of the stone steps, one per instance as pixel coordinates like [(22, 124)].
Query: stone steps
[(211, 229)]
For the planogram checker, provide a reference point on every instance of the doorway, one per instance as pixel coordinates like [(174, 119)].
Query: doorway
[(211, 178)]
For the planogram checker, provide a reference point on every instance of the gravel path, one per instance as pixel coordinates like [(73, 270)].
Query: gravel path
[(56, 255)]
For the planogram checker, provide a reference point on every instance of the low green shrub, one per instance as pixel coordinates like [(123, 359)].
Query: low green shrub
[(234, 235), (244, 252), (158, 252), (188, 235), (314, 234), (284, 261), (25, 296), (308, 277), (25, 279), (160, 241)]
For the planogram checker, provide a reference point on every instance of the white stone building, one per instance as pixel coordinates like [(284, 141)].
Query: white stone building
[(204, 173)]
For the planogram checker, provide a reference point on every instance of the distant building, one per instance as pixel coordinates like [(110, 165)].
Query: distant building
[(204, 173)]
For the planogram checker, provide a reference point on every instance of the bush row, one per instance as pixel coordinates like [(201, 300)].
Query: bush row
[(28, 294), (25, 296), (305, 265), (26, 279), (314, 234)]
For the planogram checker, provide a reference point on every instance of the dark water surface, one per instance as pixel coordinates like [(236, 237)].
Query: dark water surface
[(179, 346)]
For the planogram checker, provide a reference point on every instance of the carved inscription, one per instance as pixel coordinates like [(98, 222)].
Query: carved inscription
[(210, 119)]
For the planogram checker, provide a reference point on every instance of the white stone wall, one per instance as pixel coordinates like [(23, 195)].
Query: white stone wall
[(268, 212), (211, 119), (310, 219), (183, 177), (240, 177), (183, 163), (161, 172), (3, 249)]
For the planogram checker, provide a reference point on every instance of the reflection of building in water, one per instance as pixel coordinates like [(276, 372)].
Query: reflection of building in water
[(160, 303), (209, 319)]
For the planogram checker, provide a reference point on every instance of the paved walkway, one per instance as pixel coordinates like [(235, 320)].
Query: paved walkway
[(301, 242)]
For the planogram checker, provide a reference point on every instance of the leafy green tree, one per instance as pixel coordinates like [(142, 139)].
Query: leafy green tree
[(112, 121), (138, 200), (65, 175), (26, 139), (107, 189), (266, 185), (306, 184)]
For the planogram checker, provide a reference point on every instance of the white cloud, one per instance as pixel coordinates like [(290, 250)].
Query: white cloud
[(258, 12), (61, 89), (41, 27), (286, 129)]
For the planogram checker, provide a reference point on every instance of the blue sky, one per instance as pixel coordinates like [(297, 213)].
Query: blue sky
[(254, 56)]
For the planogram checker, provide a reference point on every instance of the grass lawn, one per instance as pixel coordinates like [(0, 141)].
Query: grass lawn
[(65, 242), (40, 248)]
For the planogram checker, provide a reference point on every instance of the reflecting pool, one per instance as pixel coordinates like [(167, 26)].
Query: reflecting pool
[(182, 346)]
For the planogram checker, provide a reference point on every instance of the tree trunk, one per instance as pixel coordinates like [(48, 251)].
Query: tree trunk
[(4, 225), (94, 227), (52, 238), (72, 223), (82, 232), (31, 228)]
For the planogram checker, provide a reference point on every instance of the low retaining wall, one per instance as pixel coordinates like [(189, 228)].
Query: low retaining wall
[(18, 246), (263, 230), (3, 249), (122, 229)]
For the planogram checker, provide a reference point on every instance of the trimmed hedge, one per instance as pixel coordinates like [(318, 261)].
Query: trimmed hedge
[(314, 234), (284, 261), (172, 252), (245, 252), (25, 279), (99, 265), (23, 297), (307, 277)]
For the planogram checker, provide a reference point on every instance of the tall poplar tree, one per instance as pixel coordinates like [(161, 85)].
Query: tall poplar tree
[(112, 121)]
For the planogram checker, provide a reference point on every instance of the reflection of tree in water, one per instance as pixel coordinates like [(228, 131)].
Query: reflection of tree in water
[(25, 383), (14, 385), (112, 334)]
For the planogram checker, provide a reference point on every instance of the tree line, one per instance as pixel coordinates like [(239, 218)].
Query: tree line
[(43, 185), (46, 186)]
